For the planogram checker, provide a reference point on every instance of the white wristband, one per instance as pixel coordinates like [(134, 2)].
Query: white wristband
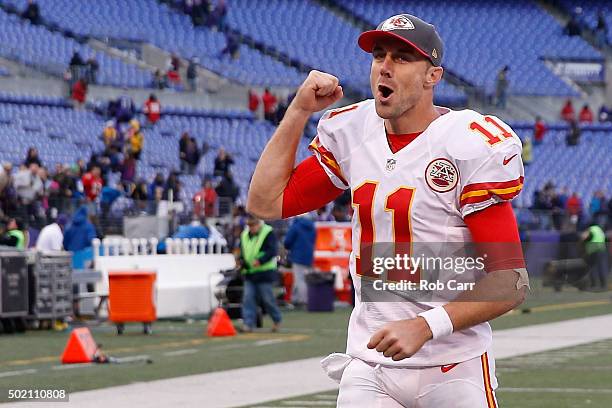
[(439, 322)]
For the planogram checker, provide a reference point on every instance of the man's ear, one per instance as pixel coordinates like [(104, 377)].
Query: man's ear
[(434, 76)]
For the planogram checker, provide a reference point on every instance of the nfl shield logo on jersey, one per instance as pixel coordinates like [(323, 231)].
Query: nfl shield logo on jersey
[(441, 175), (390, 164)]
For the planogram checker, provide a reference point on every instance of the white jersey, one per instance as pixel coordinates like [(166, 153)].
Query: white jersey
[(462, 163)]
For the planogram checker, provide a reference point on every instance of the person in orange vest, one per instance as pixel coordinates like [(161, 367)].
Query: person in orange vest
[(152, 109)]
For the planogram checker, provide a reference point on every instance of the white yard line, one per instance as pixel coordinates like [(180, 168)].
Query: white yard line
[(256, 385)]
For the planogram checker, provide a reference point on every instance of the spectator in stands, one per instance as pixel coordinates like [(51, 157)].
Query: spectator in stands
[(223, 162), (586, 115), (574, 25), (573, 208), (573, 134), (567, 112), (217, 17), (253, 101), (258, 250), (232, 45), (155, 192), (108, 195), (205, 200), (595, 247), (81, 168), (172, 187), (32, 12), (32, 157), (597, 208), (300, 242), (199, 11), (75, 68), (174, 70), (92, 183), (601, 31), (139, 195), (527, 154), (91, 70), (539, 130), (174, 63), (51, 237), (604, 114), (210, 199), (109, 134), (269, 103), (192, 156), (501, 87), (183, 143), (160, 80), (135, 139), (125, 108), (559, 202), (128, 169), (65, 189), (29, 188), (227, 188), (79, 93), (80, 232), (152, 109), (192, 74)]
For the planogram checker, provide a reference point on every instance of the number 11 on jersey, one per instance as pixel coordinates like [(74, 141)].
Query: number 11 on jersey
[(398, 205)]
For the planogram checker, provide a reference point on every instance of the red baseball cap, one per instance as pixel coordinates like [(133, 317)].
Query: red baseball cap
[(412, 30)]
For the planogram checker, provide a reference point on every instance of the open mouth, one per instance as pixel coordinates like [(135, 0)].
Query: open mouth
[(385, 91)]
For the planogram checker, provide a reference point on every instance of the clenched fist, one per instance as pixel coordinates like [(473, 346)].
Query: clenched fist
[(401, 339), (317, 92)]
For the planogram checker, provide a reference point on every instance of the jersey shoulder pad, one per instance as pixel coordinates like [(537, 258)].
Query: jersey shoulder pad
[(473, 136)]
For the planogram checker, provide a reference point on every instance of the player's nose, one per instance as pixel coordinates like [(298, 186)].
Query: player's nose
[(386, 65)]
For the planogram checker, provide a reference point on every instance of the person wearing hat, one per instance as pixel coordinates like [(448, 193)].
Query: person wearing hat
[(51, 237), (258, 260), (418, 173)]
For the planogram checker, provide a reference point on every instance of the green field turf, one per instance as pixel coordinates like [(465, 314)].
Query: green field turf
[(566, 378), (31, 360)]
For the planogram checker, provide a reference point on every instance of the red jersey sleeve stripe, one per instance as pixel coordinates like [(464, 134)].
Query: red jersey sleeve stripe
[(479, 192), (504, 194), (491, 185)]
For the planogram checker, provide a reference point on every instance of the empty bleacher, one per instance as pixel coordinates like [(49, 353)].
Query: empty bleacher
[(48, 51), (149, 21)]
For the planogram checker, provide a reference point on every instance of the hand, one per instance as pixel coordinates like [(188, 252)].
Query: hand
[(317, 92), (256, 263), (401, 339)]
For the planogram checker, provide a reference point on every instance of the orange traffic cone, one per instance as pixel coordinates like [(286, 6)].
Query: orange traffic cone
[(81, 347), (220, 324)]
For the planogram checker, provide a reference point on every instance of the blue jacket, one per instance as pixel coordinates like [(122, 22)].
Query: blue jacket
[(80, 232), (300, 241)]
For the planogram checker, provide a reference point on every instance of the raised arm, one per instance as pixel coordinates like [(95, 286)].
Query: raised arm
[(273, 171)]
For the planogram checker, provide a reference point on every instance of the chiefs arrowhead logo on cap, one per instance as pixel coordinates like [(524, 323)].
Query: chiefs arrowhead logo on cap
[(398, 22)]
